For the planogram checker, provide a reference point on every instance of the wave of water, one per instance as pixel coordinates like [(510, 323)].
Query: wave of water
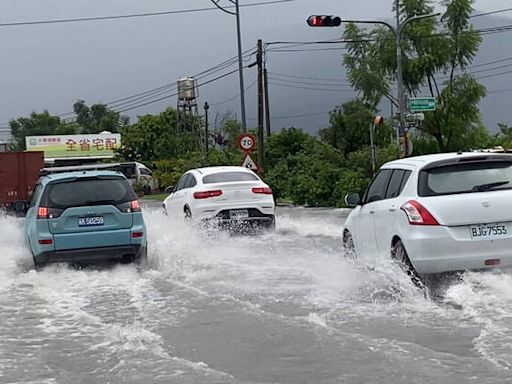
[(297, 274)]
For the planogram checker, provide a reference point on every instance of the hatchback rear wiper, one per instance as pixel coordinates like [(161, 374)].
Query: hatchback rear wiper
[(489, 186)]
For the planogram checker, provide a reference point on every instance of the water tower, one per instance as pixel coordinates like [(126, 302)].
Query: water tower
[(188, 117)]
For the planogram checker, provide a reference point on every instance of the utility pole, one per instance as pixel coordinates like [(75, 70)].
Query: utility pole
[(206, 108), (373, 149), (240, 67), (259, 60), (267, 104), (240, 53)]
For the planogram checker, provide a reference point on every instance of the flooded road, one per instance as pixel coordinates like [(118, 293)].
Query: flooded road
[(285, 307)]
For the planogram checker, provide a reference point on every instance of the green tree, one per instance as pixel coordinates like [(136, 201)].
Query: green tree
[(427, 54), (98, 118), (152, 138), (349, 127), (35, 125)]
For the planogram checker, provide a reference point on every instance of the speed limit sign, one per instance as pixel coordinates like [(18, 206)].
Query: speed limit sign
[(247, 142)]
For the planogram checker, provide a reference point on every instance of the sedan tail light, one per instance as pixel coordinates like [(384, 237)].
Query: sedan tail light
[(418, 214), (207, 194), (262, 190)]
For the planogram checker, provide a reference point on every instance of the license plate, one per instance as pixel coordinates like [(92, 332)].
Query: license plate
[(488, 231), (239, 214), (93, 221)]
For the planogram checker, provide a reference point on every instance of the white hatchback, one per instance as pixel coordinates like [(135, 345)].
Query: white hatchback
[(436, 213), (227, 195)]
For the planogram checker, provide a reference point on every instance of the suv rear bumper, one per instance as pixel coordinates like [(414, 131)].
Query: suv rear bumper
[(91, 255)]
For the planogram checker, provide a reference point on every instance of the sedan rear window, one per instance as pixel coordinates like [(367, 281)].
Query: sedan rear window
[(466, 178), (86, 192), (227, 177)]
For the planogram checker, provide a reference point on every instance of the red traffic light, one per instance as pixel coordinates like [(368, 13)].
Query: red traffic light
[(324, 21)]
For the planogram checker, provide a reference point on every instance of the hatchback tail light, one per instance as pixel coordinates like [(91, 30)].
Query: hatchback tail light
[(262, 190), (137, 235), (418, 214), (207, 194), (45, 241)]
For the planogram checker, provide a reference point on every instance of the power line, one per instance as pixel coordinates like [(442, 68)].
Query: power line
[(175, 94), (492, 12), (137, 15), (236, 96), (312, 88)]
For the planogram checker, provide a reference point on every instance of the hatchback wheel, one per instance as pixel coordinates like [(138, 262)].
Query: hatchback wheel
[(349, 250), (400, 256)]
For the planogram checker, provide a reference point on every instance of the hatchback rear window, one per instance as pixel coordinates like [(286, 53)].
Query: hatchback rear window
[(86, 192), (227, 177), (466, 178)]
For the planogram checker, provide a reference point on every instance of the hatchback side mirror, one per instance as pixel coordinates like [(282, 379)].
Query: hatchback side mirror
[(352, 200), (169, 189), (20, 208)]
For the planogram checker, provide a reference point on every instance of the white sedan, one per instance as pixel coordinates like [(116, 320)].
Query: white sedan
[(227, 195), (436, 213)]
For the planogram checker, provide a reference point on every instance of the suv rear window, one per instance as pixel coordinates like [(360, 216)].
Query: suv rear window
[(465, 178), (85, 192), (227, 177)]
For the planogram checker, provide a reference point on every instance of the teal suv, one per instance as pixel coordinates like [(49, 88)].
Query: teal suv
[(85, 217)]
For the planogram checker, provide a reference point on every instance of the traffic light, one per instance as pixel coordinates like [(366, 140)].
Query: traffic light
[(324, 21), (378, 121)]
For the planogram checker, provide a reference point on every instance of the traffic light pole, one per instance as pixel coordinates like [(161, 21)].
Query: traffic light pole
[(316, 21)]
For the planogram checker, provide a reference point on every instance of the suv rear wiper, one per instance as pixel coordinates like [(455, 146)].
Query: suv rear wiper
[(489, 186), (99, 202)]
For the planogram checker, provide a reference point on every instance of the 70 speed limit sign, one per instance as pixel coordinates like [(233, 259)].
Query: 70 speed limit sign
[(247, 142)]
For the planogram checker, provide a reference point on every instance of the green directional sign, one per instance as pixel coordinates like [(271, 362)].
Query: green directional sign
[(423, 104)]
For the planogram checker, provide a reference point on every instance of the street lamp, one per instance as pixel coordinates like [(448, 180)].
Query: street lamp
[(240, 59), (330, 21)]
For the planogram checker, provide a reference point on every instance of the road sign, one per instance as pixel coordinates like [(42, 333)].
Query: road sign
[(422, 104), (249, 163), (247, 142)]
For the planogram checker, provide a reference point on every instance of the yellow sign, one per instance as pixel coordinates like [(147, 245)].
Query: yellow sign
[(98, 145)]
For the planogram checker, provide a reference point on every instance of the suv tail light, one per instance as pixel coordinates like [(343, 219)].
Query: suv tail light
[(207, 194), (262, 191), (135, 206), (49, 213), (130, 206), (418, 214), (42, 213)]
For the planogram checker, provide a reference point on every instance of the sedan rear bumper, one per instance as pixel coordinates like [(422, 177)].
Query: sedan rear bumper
[(91, 255)]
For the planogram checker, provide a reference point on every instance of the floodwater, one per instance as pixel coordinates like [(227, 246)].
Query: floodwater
[(285, 307)]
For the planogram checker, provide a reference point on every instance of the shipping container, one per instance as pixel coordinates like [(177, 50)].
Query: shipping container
[(19, 172)]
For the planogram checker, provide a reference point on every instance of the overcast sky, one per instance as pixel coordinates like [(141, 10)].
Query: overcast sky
[(51, 66)]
